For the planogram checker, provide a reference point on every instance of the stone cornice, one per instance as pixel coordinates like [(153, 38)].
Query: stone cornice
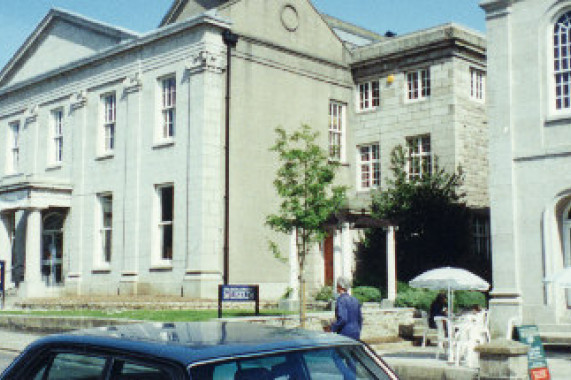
[(497, 8), (145, 39)]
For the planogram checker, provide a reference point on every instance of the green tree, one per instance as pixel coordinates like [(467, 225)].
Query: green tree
[(433, 224), (304, 182)]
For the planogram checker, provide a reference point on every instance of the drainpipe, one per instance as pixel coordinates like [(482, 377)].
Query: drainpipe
[(230, 40)]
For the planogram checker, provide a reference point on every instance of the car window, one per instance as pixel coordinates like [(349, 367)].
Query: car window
[(337, 363), (71, 366), (124, 370), (344, 363)]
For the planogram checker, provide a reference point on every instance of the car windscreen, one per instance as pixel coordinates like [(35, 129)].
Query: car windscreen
[(331, 363)]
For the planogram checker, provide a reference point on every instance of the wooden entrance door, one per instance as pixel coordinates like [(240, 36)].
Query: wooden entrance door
[(328, 260)]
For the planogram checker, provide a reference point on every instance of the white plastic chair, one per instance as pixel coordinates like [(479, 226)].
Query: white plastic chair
[(442, 326), (467, 337), (426, 327)]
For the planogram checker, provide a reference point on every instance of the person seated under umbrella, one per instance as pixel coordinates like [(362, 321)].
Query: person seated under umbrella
[(437, 309)]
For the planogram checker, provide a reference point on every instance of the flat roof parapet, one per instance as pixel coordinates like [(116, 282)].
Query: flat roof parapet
[(423, 38)]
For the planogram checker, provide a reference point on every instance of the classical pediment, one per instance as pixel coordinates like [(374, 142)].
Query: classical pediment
[(60, 39), (291, 24)]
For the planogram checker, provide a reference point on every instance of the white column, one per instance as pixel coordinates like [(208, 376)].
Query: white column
[(337, 256), (347, 252), (33, 273), (6, 248), (391, 265)]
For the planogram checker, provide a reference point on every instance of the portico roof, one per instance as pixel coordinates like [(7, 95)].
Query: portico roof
[(27, 195), (358, 219)]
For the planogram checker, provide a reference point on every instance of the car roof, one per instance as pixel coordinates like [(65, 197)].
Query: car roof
[(192, 342)]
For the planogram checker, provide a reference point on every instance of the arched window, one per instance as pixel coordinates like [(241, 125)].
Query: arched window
[(53, 222), (562, 61), (567, 236)]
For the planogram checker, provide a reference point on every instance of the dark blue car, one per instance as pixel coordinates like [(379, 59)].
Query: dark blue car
[(202, 350)]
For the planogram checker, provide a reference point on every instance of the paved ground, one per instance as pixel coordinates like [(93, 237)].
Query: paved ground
[(559, 360)]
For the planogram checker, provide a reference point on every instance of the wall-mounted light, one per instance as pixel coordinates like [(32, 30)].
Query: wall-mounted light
[(390, 79)]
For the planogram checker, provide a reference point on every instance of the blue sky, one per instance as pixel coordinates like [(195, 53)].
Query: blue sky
[(18, 18)]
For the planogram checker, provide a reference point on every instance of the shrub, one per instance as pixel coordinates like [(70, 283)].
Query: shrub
[(411, 297), (325, 294), (422, 298), (465, 300), (367, 294)]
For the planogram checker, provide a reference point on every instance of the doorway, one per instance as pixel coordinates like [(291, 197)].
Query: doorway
[(52, 249)]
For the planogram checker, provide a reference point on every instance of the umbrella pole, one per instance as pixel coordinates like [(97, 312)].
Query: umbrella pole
[(450, 328)]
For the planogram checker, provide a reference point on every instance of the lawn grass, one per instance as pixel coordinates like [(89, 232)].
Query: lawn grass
[(148, 315)]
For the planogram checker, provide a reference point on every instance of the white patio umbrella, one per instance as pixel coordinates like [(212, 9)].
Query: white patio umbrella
[(449, 278)]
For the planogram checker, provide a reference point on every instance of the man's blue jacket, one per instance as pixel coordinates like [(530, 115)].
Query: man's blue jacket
[(348, 317)]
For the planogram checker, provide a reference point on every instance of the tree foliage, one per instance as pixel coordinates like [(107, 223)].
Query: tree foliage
[(305, 185), (433, 224)]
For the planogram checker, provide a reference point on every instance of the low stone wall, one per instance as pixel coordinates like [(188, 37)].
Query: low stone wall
[(379, 325)]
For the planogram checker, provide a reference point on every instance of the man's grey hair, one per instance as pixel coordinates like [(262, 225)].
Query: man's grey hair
[(343, 283)]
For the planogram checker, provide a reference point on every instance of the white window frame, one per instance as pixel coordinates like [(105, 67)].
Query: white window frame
[(417, 152), (477, 84), (13, 142), (481, 235), (566, 230), (369, 166), (162, 256), (167, 101), (368, 95), (56, 136), (337, 130), (109, 122), (418, 84), (105, 248), (561, 64)]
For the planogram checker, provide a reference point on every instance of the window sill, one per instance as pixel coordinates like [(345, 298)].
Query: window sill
[(413, 101), (367, 110), (163, 144), (162, 267), (53, 167), (368, 190), (101, 270), (13, 175), (104, 156), (340, 163), (560, 118)]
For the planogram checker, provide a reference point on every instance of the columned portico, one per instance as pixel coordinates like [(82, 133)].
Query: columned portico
[(6, 247), (21, 208)]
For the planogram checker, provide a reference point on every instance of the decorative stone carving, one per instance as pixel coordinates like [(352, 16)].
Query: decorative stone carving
[(205, 60), (31, 113), (78, 100), (290, 18), (132, 83)]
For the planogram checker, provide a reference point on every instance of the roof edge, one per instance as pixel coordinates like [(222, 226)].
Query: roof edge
[(208, 17)]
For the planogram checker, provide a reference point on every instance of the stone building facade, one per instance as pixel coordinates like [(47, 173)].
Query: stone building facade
[(450, 116), (112, 177), (530, 157)]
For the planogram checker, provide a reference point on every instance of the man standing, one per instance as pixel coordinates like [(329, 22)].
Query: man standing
[(348, 317)]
